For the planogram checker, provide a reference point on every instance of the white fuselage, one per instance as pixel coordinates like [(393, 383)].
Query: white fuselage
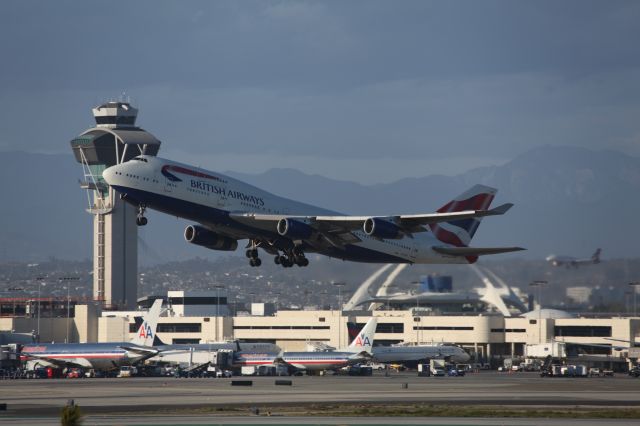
[(419, 353), (209, 197)]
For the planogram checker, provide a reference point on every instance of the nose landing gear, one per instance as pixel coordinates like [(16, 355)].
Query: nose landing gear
[(140, 219)]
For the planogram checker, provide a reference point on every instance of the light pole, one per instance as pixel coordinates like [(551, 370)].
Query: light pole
[(68, 287), (251, 293), (277, 295), (417, 318), (339, 285), (218, 287), (323, 297), (635, 285), (307, 292), (627, 298), (40, 284), (539, 284)]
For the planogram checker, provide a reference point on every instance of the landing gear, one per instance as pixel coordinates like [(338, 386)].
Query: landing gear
[(140, 219), (252, 255), (291, 257)]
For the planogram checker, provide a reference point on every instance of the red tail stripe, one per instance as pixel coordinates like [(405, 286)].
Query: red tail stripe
[(477, 202), (446, 236)]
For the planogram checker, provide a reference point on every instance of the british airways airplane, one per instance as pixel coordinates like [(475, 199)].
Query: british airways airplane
[(228, 210)]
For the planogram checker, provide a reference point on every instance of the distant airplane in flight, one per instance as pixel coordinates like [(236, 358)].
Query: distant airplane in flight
[(574, 262), (229, 210)]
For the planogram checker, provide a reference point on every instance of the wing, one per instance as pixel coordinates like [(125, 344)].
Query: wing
[(338, 230), (77, 362), (145, 353), (474, 251)]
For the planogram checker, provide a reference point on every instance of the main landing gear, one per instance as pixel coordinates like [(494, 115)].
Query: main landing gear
[(140, 219), (252, 254), (287, 259), (291, 257)]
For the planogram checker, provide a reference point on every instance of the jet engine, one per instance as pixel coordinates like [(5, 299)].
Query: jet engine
[(381, 228), (294, 229), (201, 236)]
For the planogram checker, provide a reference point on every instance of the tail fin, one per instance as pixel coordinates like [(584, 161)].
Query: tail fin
[(596, 256), (352, 330), (364, 340), (460, 232), (147, 330)]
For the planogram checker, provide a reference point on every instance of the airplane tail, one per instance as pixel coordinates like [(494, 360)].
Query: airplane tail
[(352, 330), (363, 341), (147, 330), (459, 233), (596, 256)]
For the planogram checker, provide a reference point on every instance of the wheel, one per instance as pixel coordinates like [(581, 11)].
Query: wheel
[(257, 261), (283, 261), (276, 260), (305, 261), (143, 221), (248, 254), (252, 262)]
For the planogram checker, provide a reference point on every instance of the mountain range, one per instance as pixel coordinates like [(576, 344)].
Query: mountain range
[(568, 200)]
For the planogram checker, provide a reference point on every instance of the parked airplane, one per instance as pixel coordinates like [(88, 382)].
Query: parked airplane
[(99, 356), (358, 351), (415, 353), (229, 210), (569, 261)]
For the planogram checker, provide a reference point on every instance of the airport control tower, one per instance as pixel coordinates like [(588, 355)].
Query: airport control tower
[(114, 140)]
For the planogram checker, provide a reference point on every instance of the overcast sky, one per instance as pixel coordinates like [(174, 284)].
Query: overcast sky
[(369, 91)]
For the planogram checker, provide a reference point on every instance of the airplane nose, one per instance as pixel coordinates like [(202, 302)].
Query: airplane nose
[(109, 174)]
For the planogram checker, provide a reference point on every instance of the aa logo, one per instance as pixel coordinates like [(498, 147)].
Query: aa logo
[(145, 331), (362, 341)]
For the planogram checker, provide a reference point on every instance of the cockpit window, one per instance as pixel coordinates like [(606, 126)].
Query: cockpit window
[(140, 159)]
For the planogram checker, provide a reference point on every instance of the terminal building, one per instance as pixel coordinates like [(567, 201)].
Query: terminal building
[(488, 337)]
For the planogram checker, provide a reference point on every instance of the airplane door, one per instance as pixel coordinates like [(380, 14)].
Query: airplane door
[(168, 185), (222, 200)]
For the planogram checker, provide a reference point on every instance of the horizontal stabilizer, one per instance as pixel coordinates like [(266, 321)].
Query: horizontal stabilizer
[(474, 251), (502, 209)]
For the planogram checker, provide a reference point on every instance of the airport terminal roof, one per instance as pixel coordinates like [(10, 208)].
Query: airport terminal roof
[(548, 314)]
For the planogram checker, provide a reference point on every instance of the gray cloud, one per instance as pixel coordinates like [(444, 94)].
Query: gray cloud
[(354, 83)]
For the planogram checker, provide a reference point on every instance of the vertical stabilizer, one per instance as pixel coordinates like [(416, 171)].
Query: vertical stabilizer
[(459, 233), (596, 256), (364, 340), (147, 330)]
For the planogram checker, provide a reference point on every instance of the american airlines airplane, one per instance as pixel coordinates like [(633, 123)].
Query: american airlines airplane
[(569, 261), (358, 351), (99, 356), (414, 353), (228, 210)]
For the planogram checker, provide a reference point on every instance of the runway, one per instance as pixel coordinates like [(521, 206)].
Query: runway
[(131, 397)]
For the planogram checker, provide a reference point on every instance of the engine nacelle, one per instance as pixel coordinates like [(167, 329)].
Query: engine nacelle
[(380, 228), (201, 236), (294, 229)]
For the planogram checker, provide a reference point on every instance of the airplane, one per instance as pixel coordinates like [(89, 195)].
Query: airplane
[(228, 210), (569, 261), (99, 356), (415, 353), (358, 351)]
